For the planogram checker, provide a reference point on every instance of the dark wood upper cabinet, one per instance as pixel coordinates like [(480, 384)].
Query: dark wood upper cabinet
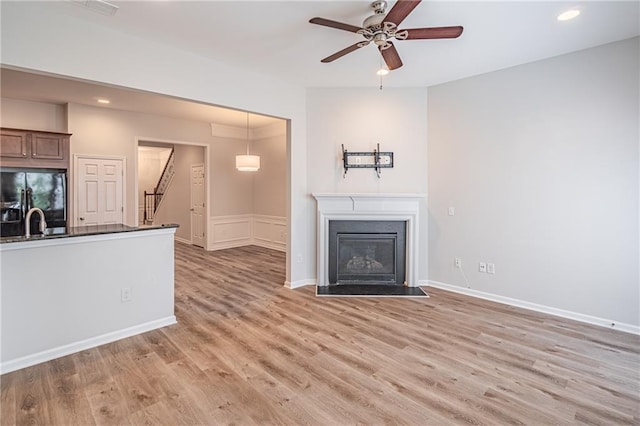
[(31, 148), (13, 144)]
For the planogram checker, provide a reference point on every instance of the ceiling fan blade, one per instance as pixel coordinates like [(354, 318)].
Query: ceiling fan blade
[(335, 24), (401, 10), (434, 32), (391, 57), (341, 53)]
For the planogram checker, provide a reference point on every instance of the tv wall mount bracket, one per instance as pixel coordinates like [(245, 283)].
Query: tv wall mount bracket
[(366, 160)]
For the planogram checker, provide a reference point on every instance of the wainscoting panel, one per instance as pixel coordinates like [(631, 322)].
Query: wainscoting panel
[(229, 231), (243, 230), (270, 232)]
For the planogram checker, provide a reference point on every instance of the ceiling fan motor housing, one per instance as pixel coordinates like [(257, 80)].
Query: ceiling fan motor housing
[(374, 22)]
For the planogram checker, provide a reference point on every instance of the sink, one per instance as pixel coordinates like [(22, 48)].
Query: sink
[(61, 230)]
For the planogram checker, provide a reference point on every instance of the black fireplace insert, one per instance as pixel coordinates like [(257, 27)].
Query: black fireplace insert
[(367, 252)]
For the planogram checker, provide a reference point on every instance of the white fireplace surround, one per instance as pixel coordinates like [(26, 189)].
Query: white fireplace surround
[(392, 207)]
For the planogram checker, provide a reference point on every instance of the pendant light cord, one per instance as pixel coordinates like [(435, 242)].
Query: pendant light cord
[(247, 133)]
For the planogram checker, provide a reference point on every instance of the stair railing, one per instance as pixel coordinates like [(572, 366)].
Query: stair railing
[(153, 199)]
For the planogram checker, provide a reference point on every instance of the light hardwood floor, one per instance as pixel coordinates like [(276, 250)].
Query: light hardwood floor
[(248, 351)]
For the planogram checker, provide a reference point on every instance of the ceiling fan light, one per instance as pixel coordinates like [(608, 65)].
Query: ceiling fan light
[(380, 39), (568, 15), (248, 163), (382, 71)]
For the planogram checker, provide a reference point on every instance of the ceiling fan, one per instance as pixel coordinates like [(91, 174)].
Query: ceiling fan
[(381, 28)]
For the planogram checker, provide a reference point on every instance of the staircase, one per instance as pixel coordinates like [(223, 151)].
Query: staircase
[(153, 199)]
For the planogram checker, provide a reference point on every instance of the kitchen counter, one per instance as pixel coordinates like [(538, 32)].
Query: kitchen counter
[(82, 287), (82, 231)]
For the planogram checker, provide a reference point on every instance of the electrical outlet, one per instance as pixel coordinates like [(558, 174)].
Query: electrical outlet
[(125, 294), (482, 267), (491, 268), (458, 262), (451, 211)]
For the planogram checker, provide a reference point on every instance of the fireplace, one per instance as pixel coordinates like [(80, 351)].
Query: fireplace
[(367, 252), (359, 212)]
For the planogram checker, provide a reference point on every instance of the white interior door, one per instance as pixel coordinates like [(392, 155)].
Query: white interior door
[(197, 205), (99, 186)]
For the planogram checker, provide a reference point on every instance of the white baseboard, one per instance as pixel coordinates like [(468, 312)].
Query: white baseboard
[(49, 354), (183, 240), (230, 244), (299, 283), (269, 244), (602, 322)]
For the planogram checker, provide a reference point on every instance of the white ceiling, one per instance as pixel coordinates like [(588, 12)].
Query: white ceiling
[(275, 38)]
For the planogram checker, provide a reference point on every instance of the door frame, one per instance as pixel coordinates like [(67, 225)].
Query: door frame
[(73, 177), (206, 161)]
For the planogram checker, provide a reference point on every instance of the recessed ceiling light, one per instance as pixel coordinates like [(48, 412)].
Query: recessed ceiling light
[(568, 15), (103, 101), (382, 71)]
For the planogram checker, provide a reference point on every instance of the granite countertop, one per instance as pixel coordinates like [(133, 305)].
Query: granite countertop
[(81, 231)]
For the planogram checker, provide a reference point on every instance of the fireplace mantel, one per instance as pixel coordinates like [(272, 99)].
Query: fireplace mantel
[(400, 207)]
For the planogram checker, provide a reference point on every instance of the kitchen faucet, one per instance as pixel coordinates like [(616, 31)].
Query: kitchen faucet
[(27, 225)]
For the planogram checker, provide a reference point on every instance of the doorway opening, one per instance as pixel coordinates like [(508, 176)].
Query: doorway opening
[(164, 187)]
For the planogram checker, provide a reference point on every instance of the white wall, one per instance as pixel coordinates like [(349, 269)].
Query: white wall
[(34, 37), (270, 182), (28, 115), (149, 170), (360, 119), (540, 162), (231, 187)]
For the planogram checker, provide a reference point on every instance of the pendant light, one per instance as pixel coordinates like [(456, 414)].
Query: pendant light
[(247, 163)]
